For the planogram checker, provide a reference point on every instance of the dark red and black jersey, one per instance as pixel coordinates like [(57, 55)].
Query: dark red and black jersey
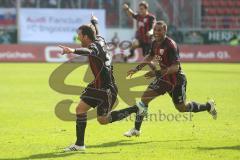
[(166, 54), (144, 24), (100, 61)]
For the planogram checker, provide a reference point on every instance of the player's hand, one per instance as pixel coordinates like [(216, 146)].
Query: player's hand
[(125, 6), (135, 43), (131, 72), (149, 33), (150, 74), (66, 50), (94, 19)]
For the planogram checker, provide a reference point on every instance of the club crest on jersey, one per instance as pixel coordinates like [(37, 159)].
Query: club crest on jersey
[(140, 24), (161, 51), (145, 20), (158, 58)]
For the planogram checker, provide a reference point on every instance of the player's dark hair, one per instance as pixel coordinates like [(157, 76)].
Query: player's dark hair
[(162, 23), (88, 30), (144, 4)]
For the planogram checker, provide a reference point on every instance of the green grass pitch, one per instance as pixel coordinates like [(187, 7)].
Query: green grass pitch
[(30, 129)]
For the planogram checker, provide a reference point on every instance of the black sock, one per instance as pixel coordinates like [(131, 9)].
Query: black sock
[(81, 124), (123, 113), (138, 122), (197, 107)]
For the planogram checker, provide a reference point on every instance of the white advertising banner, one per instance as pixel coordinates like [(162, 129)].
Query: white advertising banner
[(56, 25)]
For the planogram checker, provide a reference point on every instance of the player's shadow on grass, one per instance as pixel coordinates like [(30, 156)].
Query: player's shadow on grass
[(237, 147), (130, 142), (116, 143), (108, 144), (57, 155)]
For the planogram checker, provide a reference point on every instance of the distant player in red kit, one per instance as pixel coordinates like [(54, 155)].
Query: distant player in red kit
[(145, 22), (169, 79)]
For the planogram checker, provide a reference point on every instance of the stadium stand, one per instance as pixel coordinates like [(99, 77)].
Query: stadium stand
[(221, 14)]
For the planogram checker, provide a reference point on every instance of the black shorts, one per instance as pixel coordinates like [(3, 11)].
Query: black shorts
[(103, 99), (177, 92), (145, 47)]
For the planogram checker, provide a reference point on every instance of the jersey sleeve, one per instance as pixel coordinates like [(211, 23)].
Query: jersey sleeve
[(91, 50), (174, 57), (94, 49), (151, 51), (135, 16), (152, 20)]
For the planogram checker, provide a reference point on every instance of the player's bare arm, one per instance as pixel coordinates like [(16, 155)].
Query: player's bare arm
[(147, 60), (66, 50), (79, 51), (150, 32), (169, 70), (94, 21), (128, 10)]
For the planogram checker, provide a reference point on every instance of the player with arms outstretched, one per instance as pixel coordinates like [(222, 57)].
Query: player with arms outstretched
[(102, 91), (169, 79)]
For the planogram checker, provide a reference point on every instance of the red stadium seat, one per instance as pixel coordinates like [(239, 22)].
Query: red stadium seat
[(227, 22), (230, 3), (221, 11), (206, 3), (209, 22), (228, 11), (222, 3), (211, 11), (238, 3), (236, 11), (234, 24), (215, 3), (221, 14), (213, 26)]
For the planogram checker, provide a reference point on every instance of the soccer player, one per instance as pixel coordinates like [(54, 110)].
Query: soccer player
[(169, 79), (102, 91), (145, 22)]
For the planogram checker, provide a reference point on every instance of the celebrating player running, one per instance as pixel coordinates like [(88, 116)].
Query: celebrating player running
[(102, 92), (169, 79)]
